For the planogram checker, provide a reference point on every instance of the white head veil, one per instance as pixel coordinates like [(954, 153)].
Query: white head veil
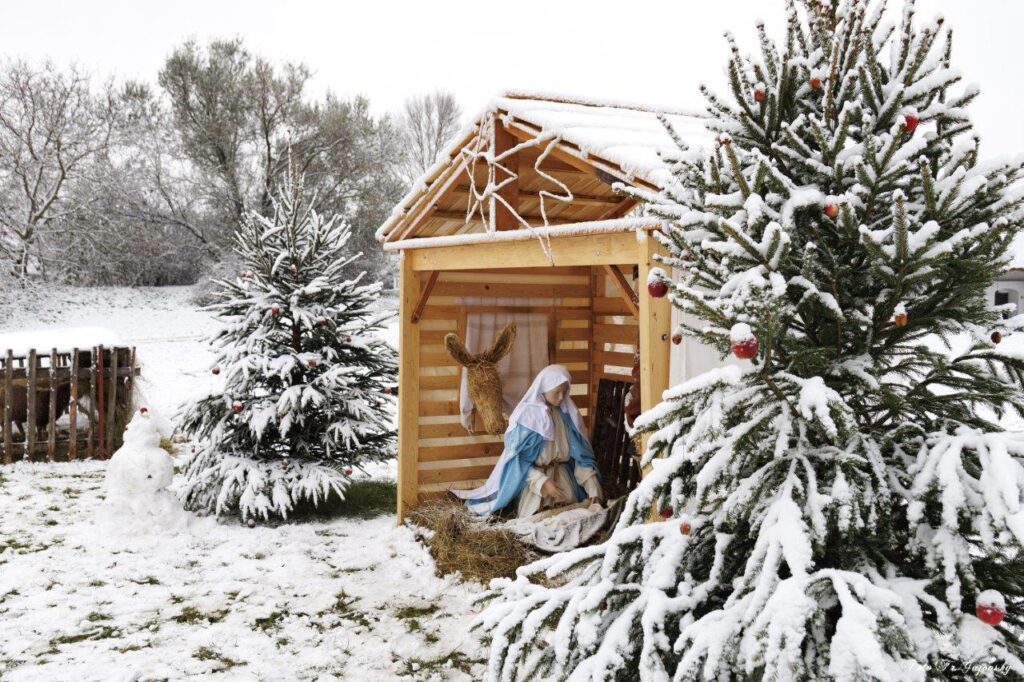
[(532, 411)]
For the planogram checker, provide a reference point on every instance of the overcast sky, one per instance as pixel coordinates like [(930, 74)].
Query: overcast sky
[(640, 50)]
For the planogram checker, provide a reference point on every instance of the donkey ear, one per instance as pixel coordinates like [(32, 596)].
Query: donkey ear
[(503, 344), (457, 350)]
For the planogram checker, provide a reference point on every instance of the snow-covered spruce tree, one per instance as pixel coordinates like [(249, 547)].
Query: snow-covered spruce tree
[(837, 507), (306, 381)]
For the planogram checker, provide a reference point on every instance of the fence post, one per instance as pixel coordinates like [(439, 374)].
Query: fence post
[(73, 407), (101, 441), (112, 402), (8, 392), (31, 395), (51, 431)]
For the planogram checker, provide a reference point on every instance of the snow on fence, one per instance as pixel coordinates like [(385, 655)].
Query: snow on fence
[(92, 388)]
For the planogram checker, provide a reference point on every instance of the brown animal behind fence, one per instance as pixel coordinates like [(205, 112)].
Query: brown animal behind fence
[(38, 389)]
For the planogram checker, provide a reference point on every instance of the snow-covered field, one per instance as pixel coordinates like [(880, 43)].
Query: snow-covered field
[(347, 599)]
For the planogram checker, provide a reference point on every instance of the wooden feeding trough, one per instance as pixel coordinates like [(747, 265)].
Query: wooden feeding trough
[(520, 215), (66, 405)]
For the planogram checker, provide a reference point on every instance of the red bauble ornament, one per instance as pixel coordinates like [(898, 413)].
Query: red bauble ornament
[(143, 410), (815, 84), (275, 310), (250, 523), (348, 471), (677, 339), (997, 336), (236, 407), (320, 321), (666, 512), (312, 363), (990, 615), (900, 319), (388, 390), (832, 211), (348, 339), (746, 349), (215, 370), (910, 123), (990, 607), (657, 288), (685, 528), (758, 95)]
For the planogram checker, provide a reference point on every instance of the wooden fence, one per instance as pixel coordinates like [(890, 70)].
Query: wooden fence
[(613, 448), (93, 387)]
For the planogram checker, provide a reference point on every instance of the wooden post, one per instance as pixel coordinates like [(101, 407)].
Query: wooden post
[(30, 405), (409, 390), (655, 329), (51, 431), (90, 436), (112, 401), (8, 388), (73, 407), (504, 219), (98, 375)]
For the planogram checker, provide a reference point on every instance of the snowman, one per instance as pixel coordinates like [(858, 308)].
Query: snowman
[(138, 475)]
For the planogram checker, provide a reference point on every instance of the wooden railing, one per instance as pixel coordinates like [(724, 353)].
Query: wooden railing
[(94, 386)]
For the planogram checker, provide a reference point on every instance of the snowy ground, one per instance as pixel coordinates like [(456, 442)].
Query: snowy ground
[(347, 599)]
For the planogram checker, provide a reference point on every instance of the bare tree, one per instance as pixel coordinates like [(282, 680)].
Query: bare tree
[(52, 125), (426, 125)]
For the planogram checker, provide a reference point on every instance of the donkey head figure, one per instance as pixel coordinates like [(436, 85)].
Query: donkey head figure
[(482, 376)]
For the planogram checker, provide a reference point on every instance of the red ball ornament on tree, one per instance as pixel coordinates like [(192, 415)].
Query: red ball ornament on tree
[(236, 407), (759, 93), (815, 83), (997, 336), (744, 343), (275, 310), (685, 528), (657, 283), (320, 321), (667, 511), (899, 316), (215, 370), (990, 607), (143, 410), (250, 523), (832, 210), (910, 122), (312, 363), (348, 471), (388, 390), (677, 338)]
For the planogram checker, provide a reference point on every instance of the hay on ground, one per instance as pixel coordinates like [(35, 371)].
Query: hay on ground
[(460, 542)]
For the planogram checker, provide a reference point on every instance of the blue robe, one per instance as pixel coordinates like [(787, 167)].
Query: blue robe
[(526, 446)]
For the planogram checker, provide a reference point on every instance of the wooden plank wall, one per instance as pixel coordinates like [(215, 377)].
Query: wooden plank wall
[(448, 457), (616, 334)]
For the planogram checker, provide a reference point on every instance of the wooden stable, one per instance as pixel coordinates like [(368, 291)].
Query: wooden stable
[(92, 387), (456, 241)]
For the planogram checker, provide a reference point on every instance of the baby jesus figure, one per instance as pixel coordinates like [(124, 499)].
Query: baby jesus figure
[(547, 461)]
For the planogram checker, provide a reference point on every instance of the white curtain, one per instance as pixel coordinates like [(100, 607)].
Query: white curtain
[(529, 352)]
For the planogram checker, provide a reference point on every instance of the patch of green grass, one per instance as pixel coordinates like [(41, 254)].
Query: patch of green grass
[(410, 612), (431, 638), (191, 615), (210, 654), (456, 660), (96, 583), (271, 622), (11, 593), (96, 616), (102, 632), (343, 608), (364, 499), (52, 522), (148, 580)]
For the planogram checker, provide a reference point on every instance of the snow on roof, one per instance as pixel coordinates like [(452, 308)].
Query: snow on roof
[(64, 340), (626, 134), (629, 135)]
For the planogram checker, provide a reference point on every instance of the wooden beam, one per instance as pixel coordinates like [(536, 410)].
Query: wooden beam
[(577, 199), (429, 287), (628, 295), (409, 389), (609, 248), (655, 329), (504, 216)]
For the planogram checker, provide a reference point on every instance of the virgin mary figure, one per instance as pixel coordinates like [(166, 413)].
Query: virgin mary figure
[(547, 461)]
